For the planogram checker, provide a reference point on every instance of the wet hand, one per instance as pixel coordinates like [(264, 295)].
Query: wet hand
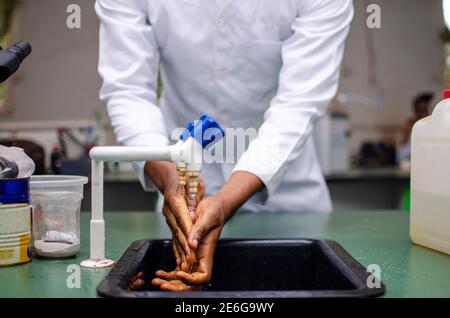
[(165, 177), (176, 212), (203, 238)]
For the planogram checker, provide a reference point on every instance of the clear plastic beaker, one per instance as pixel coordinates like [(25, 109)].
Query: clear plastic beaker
[(56, 202)]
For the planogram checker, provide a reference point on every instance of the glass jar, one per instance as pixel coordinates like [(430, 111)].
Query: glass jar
[(56, 202)]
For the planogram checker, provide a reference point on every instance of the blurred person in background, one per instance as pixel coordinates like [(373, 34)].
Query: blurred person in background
[(421, 109)]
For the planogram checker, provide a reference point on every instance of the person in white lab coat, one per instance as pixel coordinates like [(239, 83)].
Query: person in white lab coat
[(271, 65)]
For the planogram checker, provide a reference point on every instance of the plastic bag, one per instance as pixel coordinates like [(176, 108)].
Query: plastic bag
[(15, 163)]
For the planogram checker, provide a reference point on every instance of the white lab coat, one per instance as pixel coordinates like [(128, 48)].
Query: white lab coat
[(268, 64)]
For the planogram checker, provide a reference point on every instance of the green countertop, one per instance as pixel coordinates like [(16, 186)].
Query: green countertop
[(379, 237)]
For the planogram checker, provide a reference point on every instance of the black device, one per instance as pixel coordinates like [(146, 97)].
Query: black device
[(11, 58)]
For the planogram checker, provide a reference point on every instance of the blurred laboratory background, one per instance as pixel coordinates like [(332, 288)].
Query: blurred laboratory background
[(391, 76)]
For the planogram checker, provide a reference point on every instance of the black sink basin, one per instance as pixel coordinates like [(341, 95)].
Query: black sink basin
[(249, 269)]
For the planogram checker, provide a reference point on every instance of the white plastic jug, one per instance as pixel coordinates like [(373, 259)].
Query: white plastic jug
[(430, 179)]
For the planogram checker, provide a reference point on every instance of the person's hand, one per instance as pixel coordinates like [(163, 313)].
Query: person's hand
[(209, 219), (183, 204), (175, 209), (179, 281), (176, 212), (203, 238), (214, 211), (137, 282), (174, 285)]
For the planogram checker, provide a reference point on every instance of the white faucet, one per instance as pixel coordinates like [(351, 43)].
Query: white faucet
[(187, 153)]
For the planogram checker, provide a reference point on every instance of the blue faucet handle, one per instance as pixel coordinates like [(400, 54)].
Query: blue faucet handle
[(187, 132), (207, 131)]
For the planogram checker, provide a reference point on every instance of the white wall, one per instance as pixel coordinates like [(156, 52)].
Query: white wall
[(58, 83), (409, 59), (59, 80)]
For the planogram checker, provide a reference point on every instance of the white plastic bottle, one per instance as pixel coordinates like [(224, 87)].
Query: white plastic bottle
[(430, 179)]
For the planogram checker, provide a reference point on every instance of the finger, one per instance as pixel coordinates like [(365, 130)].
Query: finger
[(176, 253), (193, 278), (181, 238), (179, 242), (173, 225), (181, 212), (198, 231), (138, 281), (139, 275), (205, 256), (188, 253), (178, 216), (137, 284), (170, 219), (166, 275), (185, 266), (178, 286), (174, 286), (201, 190), (157, 282), (180, 253), (184, 263)]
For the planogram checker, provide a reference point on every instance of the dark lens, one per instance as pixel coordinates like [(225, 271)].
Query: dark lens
[(4, 73)]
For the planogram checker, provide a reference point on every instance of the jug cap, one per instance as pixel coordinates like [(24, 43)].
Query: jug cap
[(447, 94)]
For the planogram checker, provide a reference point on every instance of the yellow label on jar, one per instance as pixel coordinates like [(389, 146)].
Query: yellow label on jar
[(15, 234)]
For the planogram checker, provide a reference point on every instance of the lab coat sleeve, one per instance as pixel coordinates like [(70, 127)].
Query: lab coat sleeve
[(128, 65), (307, 82)]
